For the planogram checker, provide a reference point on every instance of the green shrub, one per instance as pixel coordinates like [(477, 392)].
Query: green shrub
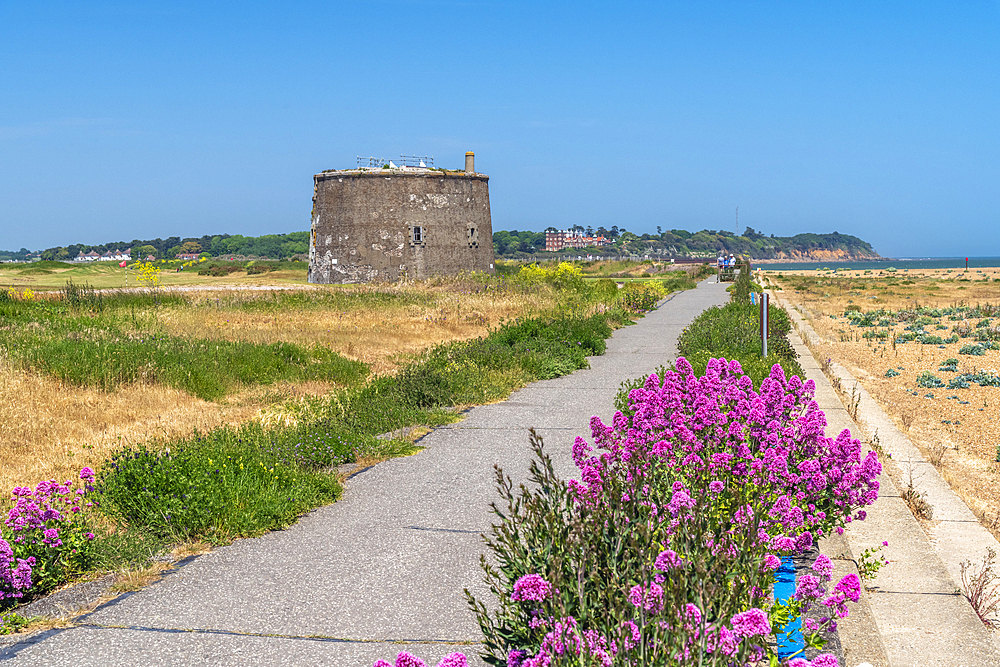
[(973, 349), (950, 365), (642, 297), (929, 380), (217, 486), (891, 373), (733, 332), (208, 369), (489, 368), (11, 622)]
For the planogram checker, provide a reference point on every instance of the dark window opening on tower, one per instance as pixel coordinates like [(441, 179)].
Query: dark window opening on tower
[(472, 235), (418, 237)]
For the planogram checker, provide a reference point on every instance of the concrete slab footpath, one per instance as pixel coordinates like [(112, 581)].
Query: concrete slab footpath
[(383, 569), (917, 616)]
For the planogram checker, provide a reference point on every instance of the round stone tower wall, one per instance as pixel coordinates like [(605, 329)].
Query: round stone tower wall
[(384, 224)]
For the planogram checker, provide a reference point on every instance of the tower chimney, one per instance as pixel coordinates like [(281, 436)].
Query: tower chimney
[(470, 159)]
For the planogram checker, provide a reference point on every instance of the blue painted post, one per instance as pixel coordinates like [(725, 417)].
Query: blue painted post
[(789, 638)]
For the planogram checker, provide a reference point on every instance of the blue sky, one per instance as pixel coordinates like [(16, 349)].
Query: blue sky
[(123, 120)]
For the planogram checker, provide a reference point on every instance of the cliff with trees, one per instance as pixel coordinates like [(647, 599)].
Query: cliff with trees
[(705, 243)]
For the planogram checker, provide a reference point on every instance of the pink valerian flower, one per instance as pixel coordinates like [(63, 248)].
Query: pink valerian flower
[(808, 587), (649, 598), (516, 658), (15, 573), (668, 560), (403, 659), (825, 660), (751, 623), (531, 588), (631, 635), (86, 474), (823, 565), (850, 587), (704, 426), (565, 639), (772, 562), (799, 662), (51, 538), (721, 640)]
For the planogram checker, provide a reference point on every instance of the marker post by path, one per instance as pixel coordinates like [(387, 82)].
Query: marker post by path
[(765, 323)]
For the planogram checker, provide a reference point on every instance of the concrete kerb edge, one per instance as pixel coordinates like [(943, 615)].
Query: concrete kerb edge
[(869, 413)]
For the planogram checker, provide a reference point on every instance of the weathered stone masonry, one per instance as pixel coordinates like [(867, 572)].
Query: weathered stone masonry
[(388, 223)]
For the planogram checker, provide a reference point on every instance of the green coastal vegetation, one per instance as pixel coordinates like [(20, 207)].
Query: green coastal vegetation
[(682, 243), (233, 481), (271, 246), (509, 244)]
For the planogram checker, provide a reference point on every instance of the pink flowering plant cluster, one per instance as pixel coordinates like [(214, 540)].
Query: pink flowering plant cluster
[(46, 537), (663, 552)]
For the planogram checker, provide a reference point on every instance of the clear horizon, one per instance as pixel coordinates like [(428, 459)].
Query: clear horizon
[(139, 120)]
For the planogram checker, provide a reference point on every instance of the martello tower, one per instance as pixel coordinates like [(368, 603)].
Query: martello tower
[(384, 222)]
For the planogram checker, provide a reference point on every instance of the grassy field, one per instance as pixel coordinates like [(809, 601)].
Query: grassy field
[(86, 371), (215, 413), (926, 346), (52, 276)]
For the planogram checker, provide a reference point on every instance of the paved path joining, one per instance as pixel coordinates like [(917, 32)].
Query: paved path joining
[(383, 569)]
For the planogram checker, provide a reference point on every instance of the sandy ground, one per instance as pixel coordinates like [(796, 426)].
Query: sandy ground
[(956, 429)]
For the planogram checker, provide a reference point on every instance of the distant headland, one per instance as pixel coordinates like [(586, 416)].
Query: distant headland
[(680, 243)]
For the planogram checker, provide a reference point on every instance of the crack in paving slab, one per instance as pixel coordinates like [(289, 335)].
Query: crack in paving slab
[(276, 635), (447, 530)]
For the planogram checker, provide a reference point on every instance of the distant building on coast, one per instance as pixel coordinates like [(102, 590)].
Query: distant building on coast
[(109, 256), (383, 221), (567, 238)]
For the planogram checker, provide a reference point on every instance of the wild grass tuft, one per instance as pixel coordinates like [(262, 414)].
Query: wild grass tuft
[(216, 487)]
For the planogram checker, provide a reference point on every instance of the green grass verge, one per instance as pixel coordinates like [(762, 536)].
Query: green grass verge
[(107, 341)]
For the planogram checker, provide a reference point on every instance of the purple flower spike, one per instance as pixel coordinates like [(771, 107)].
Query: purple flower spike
[(531, 588), (516, 658), (404, 659), (751, 623), (668, 560)]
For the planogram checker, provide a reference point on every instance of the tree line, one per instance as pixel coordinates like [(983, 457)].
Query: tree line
[(513, 243), (272, 246), (682, 243)]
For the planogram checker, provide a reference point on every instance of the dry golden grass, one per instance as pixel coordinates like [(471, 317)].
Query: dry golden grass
[(964, 450), (108, 275), (382, 338), (49, 429)]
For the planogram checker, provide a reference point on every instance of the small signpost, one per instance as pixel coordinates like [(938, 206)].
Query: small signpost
[(765, 324)]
